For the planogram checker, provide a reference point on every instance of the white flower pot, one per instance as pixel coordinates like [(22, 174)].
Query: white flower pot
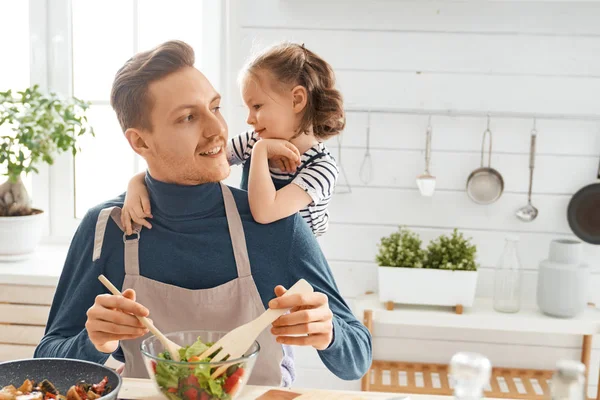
[(19, 236), (437, 287)]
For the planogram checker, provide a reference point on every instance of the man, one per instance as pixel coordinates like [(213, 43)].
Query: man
[(205, 264)]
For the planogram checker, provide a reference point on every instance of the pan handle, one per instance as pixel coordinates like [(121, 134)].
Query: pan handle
[(490, 150)]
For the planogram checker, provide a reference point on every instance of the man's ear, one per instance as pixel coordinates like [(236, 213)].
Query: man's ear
[(137, 141), (299, 97)]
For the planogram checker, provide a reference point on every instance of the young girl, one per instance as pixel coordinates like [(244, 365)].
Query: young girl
[(294, 107)]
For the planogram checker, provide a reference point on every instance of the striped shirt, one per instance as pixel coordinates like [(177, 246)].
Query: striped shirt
[(316, 175)]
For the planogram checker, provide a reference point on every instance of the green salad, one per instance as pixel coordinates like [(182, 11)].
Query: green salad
[(193, 382)]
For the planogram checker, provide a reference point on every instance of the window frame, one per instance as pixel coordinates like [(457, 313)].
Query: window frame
[(51, 67)]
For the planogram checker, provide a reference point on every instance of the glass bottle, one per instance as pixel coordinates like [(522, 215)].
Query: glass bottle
[(469, 374), (568, 381), (507, 278)]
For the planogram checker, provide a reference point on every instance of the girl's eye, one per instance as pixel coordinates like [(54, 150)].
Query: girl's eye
[(256, 106), (189, 118), (216, 109)]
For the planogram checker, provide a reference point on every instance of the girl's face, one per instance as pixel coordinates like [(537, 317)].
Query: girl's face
[(274, 114)]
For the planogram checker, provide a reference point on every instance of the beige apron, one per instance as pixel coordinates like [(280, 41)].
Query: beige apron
[(173, 308)]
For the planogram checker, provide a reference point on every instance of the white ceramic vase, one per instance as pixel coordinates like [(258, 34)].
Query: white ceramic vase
[(562, 287)]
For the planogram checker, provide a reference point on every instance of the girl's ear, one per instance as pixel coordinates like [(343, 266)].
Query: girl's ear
[(299, 97)]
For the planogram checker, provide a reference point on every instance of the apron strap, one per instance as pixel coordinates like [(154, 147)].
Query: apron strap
[(236, 231), (132, 264), (132, 254)]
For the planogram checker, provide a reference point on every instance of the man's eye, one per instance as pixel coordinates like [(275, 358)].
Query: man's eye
[(216, 109), (188, 118)]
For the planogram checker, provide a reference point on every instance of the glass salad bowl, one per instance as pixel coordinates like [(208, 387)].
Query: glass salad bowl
[(190, 378)]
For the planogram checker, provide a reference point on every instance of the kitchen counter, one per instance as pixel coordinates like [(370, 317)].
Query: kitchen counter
[(42, 268), (145, 389)]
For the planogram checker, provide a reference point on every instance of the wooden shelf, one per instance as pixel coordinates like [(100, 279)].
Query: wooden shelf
[(511, 383), (421, 378), (481, 316)]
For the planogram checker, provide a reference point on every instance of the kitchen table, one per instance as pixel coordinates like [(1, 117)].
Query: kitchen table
[(144, 389)]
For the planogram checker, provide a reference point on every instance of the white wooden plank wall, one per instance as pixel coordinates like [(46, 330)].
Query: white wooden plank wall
[(504, 57)]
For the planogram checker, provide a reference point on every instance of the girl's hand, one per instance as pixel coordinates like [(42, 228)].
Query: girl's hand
[(283, 164), (136, 207), (281, 153)]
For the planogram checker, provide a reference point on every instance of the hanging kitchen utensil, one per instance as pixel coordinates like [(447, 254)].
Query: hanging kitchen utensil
[(366, 167), (485, 185), (583, 213), (425, 181), (528, 213), (342, 185)]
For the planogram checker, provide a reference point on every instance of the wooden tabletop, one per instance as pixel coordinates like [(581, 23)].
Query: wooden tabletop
[(144, 389)]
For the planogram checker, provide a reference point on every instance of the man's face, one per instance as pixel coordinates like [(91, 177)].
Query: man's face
[(189, 135)]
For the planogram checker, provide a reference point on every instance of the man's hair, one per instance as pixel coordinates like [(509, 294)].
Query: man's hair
[(129, 96)]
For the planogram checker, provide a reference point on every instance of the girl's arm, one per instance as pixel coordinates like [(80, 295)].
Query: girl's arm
[(137, 204), (240, 147), (267, 204)]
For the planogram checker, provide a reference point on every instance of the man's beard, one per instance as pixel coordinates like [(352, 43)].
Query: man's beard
[(200, 176), (190, 173)]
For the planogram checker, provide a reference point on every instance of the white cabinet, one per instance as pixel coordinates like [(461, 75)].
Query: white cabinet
[(24, 312)]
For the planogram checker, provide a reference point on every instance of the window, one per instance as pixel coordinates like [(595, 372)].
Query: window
[(14, 68), (76, 46), (105, 35)]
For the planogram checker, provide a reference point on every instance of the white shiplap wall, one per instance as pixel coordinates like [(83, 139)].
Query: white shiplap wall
[(499, 57)]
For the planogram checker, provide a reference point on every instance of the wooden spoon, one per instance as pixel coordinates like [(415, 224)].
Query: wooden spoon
[(169, 345)]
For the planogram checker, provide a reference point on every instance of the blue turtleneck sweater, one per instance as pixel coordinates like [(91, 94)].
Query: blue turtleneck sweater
[(189, 226)]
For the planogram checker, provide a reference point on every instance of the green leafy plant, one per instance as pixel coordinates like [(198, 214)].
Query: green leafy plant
[(401, 249), (453, 252), (34, 128)]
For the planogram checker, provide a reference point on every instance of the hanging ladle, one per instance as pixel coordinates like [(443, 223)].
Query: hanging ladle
[(366, 167), (528, 213), (425, 181)]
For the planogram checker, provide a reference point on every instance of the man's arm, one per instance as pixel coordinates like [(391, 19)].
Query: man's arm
[(349, 354), (65, 334)]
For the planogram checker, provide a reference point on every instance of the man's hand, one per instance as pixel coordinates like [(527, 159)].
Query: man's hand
[(112, 318), (310, 315)]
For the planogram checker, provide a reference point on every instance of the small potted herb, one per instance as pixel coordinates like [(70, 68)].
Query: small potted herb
[(401, 249), (445, 273)]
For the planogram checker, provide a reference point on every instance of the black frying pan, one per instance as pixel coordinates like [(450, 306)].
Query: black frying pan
[(61, 372), (583, 213)]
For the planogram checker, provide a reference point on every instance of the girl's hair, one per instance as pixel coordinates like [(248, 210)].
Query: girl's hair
[(292, 64)]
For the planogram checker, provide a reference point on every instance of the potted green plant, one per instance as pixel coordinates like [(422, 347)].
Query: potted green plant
[(445, 273), (34, 128)]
